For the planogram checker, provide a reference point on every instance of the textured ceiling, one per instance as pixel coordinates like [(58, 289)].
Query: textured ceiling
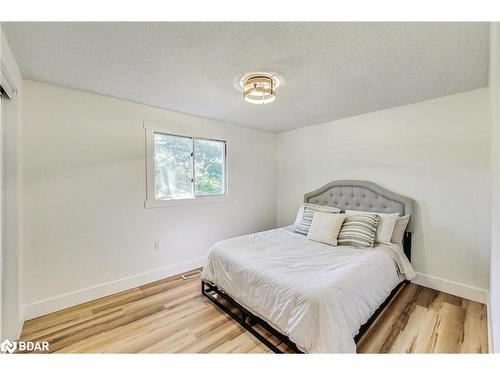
[(331, 70)]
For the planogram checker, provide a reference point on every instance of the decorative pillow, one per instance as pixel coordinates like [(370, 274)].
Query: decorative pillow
[(358, 230), (399, 229), (300, 214), (325, 227), (385, 224), (304, 219)]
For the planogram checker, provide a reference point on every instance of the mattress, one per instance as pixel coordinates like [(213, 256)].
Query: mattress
[(316, 294)]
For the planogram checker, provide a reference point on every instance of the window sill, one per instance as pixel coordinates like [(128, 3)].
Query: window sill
[(158, 203)]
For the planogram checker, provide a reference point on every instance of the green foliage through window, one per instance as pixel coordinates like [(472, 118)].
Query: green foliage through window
[(187, 167), (209, 166)]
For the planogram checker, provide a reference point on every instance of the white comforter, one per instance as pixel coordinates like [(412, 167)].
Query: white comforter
[(317, 295)]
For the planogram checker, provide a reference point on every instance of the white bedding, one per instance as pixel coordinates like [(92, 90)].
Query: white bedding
[(316, 294)]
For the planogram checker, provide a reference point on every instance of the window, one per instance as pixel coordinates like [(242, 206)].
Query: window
[(185, 167)]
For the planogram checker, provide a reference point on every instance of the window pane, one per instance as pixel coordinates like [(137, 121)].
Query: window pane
[(209, 160), (173, 166)]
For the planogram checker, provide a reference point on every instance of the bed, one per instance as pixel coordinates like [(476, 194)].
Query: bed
[(313, 297)]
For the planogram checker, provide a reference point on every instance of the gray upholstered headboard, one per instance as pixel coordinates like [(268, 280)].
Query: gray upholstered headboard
[(365, 196), (362, 196)]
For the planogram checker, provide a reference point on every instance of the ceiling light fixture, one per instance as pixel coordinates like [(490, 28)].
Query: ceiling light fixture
[(259, 88)]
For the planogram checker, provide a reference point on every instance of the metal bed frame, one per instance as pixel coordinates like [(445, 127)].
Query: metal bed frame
[(248, 320)]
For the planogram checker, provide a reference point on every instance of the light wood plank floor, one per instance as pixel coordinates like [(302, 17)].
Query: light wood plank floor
[(171, 316)]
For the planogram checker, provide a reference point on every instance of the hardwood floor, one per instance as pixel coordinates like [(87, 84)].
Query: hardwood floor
[(423, 320), (171, 316)]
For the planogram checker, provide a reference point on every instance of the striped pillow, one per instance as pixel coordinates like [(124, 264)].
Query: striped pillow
[(304, 223), (358, 230)]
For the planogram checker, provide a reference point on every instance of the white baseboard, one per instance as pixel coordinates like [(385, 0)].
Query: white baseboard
[(21, 323), (66, 300), (63, 301), (490, 337), (452, 287)]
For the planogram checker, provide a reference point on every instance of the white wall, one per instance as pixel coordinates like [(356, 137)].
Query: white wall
[(436, 152), (11, 298), (494, 302), (87, 232)]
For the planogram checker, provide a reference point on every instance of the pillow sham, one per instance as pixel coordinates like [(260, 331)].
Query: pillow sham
[(358, 230), (325, 227), (385, 225), (399, 229), (305, 215)]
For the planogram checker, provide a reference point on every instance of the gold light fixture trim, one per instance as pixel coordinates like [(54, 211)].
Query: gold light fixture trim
[(259, 88)]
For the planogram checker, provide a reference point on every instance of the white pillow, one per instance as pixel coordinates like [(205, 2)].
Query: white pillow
[(319, 207), (399, 229), (325, 227), (385, 224)]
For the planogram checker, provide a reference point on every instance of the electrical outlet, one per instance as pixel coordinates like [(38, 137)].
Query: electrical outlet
[(157, 245)]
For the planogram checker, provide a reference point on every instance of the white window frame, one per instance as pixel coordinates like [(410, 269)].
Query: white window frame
[(151, 200)]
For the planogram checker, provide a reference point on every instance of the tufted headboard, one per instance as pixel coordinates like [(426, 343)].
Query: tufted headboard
[(364, 196)]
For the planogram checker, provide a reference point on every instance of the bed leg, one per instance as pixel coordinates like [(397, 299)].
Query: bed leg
[(203, 288)]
